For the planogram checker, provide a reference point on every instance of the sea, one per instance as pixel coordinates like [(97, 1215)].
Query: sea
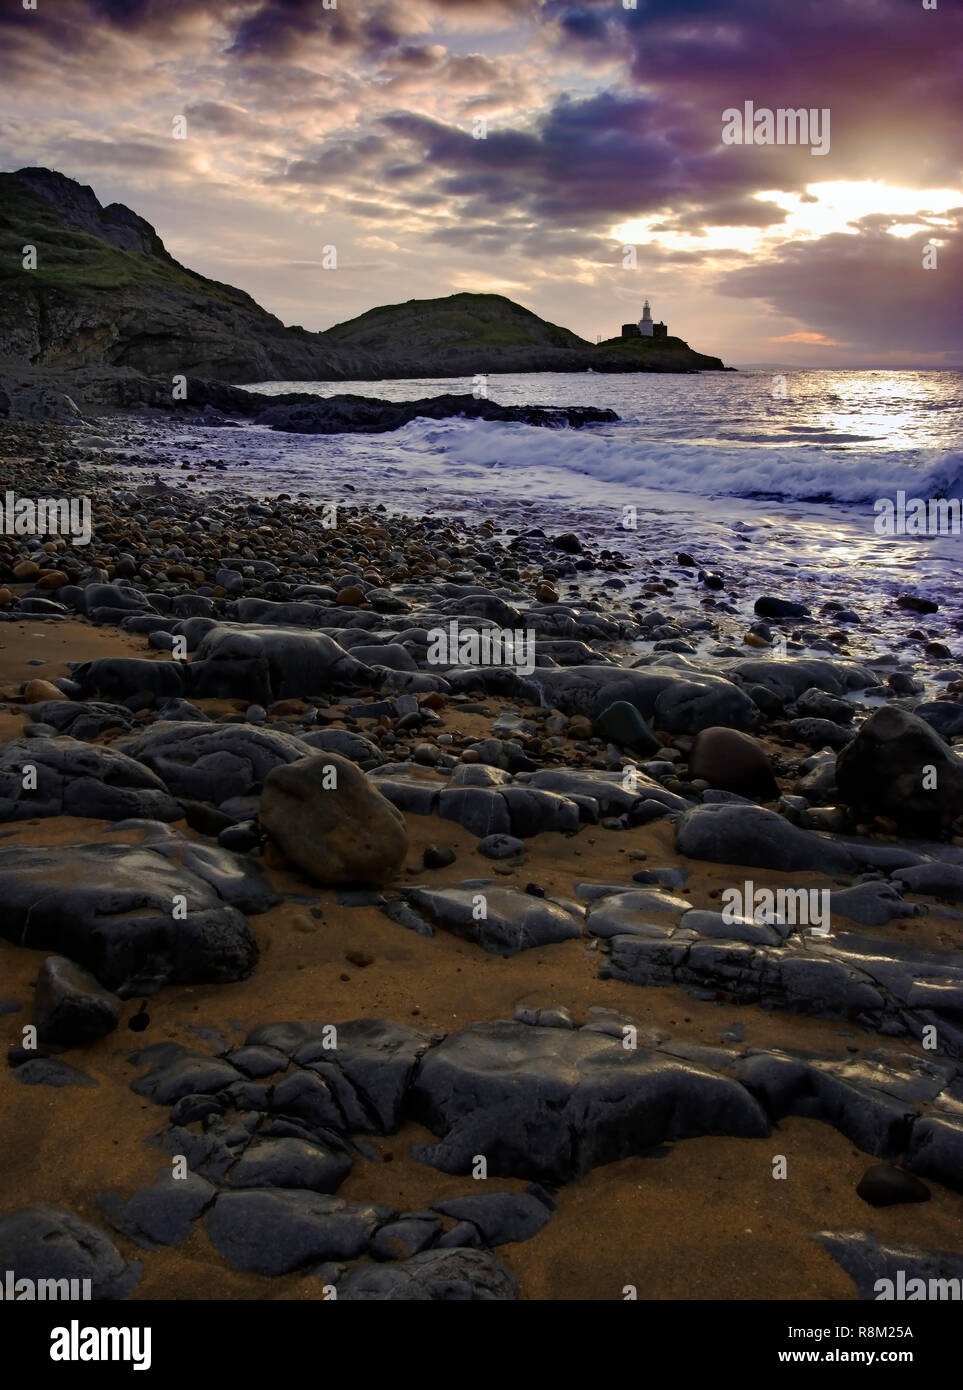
[(777, 478)]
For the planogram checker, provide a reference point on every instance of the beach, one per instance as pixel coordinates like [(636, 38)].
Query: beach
[(603, 893)]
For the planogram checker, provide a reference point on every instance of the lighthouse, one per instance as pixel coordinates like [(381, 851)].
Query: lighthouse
[(645, 322)]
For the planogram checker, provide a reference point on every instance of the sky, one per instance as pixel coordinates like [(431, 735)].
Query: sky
[(578, 157)]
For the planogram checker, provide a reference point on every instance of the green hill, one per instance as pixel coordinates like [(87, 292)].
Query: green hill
[(107, 294)]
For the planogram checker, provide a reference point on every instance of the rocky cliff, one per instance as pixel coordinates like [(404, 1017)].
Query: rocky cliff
[(105, 293)]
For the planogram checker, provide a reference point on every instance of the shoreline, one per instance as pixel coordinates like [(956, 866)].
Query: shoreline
[(618, 1222)]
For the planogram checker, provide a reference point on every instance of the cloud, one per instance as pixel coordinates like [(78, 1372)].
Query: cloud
[(867, 290)]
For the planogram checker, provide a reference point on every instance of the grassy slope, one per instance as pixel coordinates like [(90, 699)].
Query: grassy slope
[(74, 260), (470, 320)]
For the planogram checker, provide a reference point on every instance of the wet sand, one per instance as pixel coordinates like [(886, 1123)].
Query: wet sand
[(704, 1220)]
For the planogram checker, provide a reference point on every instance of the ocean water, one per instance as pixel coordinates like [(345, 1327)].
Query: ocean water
[(777, 489), (837, 437)]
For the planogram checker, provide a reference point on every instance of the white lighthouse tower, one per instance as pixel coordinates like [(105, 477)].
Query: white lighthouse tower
[(645, 322)]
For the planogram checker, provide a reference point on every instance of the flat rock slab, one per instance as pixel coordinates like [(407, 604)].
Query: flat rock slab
[(62, 776), (162, 1214), (884, 1271), (111, 907), (609, 790), (735, 834), (273, 1231), (213, 762), (45, 1242), (681, 700), (70, 1005), (499, 1217), (433, 1276), (270, 663), (885, 984), (512, 921), (551, 1103), (49, 1071), (85, 720)]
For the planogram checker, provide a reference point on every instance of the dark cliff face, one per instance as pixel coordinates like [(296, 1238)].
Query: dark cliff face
[(106, 293)]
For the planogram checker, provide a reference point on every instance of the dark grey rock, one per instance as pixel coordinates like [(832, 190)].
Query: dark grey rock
[(411, 1233), (46, 1071), (883, 772), (500, 846), (512, 921), (883, 1185), (884, 1271), (163, 1213), (549, 1103), (82, 721), (71, 1006), (753, 835), (110, 908), (79, 779), (47, 1242), (213, 762), (622, 724), (481, 811), (434, 1275), (680, 700), (292, 1163), (501, 1217), (273, 1231), (534, 811)]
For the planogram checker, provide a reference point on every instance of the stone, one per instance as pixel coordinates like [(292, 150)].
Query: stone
[(770, 607), (164, 1213), (47, 1071), (501, 1217), (290, 1163), (732, 761), (678, 700), (551, 1103), (500, 846), (45, 1242), (37, 691), (346, 833), (898, 766), (736, 834), (273, 1231), (883, 1185), (622, 724), (433, 1275), (438, 856), (213, 762), (915, 603), (870, 1261), (71, 1006), (109, 908), (410, 1234), (512, 921), (79, 779)]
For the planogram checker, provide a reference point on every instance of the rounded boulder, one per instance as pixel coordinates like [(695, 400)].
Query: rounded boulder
[(734, 762), (325, 816)]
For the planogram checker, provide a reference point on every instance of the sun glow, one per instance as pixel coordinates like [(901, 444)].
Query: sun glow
[(822, 209)]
